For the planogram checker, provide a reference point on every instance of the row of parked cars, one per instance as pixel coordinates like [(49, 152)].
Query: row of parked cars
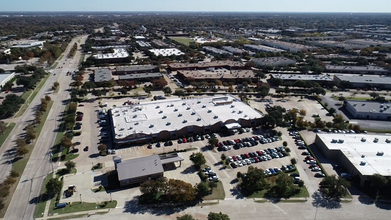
[(256, 157), (275, 170), (212, 176), (311, 161), (196, 138), (246, 142)]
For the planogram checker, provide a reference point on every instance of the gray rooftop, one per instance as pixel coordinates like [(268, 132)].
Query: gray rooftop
[(356, 68), (374, 107), (136, 68), (262, 48), (4, 76), (365, 79), (216, 50), (355, 146), (273, 61), (302, 77), (101, 75), (140, 76), (138, 167), (118, 53)]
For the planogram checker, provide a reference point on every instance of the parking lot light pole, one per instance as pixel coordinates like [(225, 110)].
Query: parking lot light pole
[(111, 198), (80, 199)]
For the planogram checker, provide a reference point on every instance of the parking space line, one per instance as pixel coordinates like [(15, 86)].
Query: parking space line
[(280, 209)]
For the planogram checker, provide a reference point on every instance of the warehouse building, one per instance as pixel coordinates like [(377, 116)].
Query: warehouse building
[(220, 74), (167, 52), (261, 48), (227, 64), (292, 47), (273, 61), (295, 77), (170, 119), (101, 75), (357, 69), (124, 70), (369, 110), (361, 155), (5, 77), (119, 55), (380, 82), (215, 51)]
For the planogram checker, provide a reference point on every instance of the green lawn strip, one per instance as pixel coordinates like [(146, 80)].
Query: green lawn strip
[(293, 200), (70, 157), (8, 129), (26, 94), (378, 130), (79, 216), (21, 164), (217, 193), (98, 189), (57, 89), (40, 206), (182, 40), (54, 66), (345, 201), (31, 97), (64, 171), (79, 207), (81, 59), (260, 201)]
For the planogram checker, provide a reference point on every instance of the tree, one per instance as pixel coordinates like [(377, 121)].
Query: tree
[(102, 147), (230, 89), (167, 90), (293, 161), (284, 143), (21, 142), (179, 92), (47, 98), (333, 186), (70, 165), (21, 151), (180, 191), (66, 142), (30, 133), (302, 112), (284, 183), (53, 186), (254, 180), (185, 217), (198, 159), (217, 216), (332, 111), (202, 189), (213, 141), (223, 157)]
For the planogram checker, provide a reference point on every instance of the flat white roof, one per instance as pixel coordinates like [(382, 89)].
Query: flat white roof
[(118, 53), (354, 148), (175, 114), (166, 52)]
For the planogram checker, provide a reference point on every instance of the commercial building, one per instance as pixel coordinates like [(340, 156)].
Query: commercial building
[(233, 50), (357, 69), (5, 77), (214, 50), (29, 44), (111, 46), (141, 76), (261, 48), (101, 75), (139, 170), (361, 155), (292, 47), (227, 64), (220, 74), (381, 82), (273, 61), (343, 57), (123, 70), (167, 52), (338, 44), (119, 55), (369, 110), (295, 77), (170, 119)]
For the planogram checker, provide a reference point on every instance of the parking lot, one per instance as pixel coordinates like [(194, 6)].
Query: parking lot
[(312, 107)]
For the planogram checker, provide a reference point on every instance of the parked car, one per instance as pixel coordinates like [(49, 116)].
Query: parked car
[(319, 175)]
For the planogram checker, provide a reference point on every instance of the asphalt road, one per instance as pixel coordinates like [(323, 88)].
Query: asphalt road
[(39, 166)]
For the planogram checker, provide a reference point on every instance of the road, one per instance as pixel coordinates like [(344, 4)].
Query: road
[(38, 167)]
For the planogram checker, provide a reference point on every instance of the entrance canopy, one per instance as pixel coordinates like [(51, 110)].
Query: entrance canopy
[(232, 126)]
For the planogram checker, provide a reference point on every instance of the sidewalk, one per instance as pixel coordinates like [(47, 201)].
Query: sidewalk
[(88, 213)]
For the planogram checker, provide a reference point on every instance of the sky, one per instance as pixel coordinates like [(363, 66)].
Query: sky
[(199, 5)]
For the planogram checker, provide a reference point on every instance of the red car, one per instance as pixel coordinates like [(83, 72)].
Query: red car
[(259, 153), (237, 141), (247, 156), (184, 140)]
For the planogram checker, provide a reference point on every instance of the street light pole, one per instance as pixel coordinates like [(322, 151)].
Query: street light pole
[(111, 198), (80, 198)]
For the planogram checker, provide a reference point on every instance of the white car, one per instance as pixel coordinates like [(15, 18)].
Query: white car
[(248, 161), (239, 164), (315, 169), (311, 161), (230, 159)]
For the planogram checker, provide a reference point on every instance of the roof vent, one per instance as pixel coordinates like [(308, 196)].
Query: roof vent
[(340, 141), (232, 106), (151, 126), (380, 153), (215, 116), (363, 139), (157, 107), (209, 111), (363, 156), (388, 140), (334, 141), (184, 103), (134, 116), (376, 140), (362, 163), (168, 123), (198, 102), (184, 121), (240, 112)]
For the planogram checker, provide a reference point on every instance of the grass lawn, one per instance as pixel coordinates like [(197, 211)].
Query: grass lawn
[(57, 89), (55, 65), (29, 98), (8, 129), (26, 94), (78, 216), (64, 171), (81, 59), (182, 40), (218, 193), (378, 130), (95, 190), (40, 206), (79, 207)]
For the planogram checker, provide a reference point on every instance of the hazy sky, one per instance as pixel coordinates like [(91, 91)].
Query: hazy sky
[(199, 5)]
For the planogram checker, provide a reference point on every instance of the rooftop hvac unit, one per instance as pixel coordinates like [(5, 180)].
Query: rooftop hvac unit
[(151, 126), (168, 123), (204, 106), (164, 117), (209, 111), (198, 119), (362, 163), (160, 111), (179, 115), (340, 141), (388, 140), (334, 141), (215, 116), (376, 140), (380, 153), (363, 139), (184, 121)]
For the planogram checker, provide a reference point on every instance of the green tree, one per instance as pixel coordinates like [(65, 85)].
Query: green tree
[(285, 144), (254, 180), (284, 183), (167, 90), (334, 187), (223, 157), (217, 216), (198, 159), (102, 147), (293, 161), (332, 111), (70, 165), (213, 141), (21, 151), (185, 217), (53, 186), (202, 189)]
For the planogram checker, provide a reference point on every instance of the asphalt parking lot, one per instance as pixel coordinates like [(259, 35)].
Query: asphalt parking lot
[(311, 106)]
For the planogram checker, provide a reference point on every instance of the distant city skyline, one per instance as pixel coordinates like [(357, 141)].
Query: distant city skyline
[(199, 5)]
